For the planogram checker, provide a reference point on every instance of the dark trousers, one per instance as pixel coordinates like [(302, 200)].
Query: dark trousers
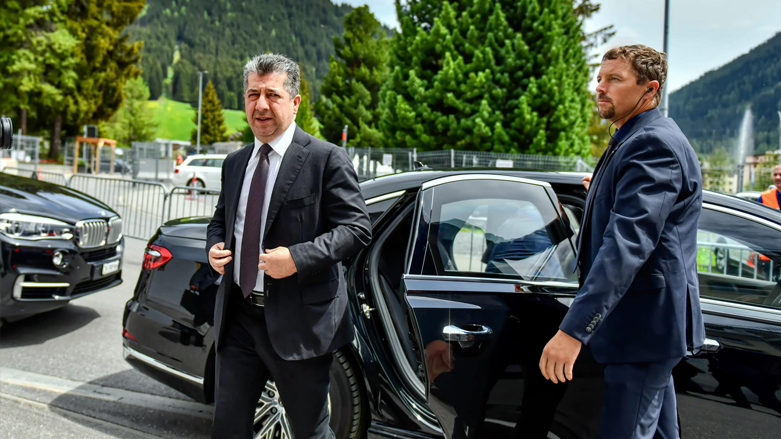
[(246, 360), (640, 401)]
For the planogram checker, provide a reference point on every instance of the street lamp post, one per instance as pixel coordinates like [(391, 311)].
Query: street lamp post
[(200, 93)]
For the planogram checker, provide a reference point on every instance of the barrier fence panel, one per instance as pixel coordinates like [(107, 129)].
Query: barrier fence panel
[(187, 201), (141, 204), (50, 177)]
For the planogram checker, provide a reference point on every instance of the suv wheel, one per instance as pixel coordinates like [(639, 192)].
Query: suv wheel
[(345, 403)]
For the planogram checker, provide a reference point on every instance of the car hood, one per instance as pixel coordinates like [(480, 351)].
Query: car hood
[(193, 228), (34, 197)]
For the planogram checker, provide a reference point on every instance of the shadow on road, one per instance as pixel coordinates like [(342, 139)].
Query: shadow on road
[(43, 327), (148, 414)]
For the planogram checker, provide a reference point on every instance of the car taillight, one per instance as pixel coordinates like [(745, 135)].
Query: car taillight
[(176, 170), (155, 257), (128, 335)]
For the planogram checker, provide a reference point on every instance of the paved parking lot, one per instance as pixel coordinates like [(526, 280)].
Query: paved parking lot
[(62, 375)]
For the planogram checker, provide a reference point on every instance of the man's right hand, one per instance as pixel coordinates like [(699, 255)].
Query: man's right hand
[(587, 181), (219, 257)]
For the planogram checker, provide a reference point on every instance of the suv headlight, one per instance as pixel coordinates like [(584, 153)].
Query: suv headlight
[(17, 225)]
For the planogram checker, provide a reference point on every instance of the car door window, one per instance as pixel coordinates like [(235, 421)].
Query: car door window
[(738, 259), (498, 229)]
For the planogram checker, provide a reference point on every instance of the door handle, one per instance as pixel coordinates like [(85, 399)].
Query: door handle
[(467, 335), (709, 346)]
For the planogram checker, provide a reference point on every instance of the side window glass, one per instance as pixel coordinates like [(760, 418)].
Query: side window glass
[(738, 260), (498, 228)]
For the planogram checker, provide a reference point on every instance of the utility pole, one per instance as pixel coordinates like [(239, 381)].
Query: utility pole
[(200, 93), (666, 50)]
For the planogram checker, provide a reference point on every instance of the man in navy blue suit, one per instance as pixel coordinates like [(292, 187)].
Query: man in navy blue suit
[(638, 306)]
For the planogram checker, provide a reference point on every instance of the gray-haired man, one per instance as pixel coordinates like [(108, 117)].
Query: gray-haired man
[(289, 212)]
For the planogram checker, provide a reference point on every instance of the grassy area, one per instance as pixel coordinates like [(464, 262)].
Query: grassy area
[(175, 119)]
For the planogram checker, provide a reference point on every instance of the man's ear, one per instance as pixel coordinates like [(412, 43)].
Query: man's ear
[(296, 103)]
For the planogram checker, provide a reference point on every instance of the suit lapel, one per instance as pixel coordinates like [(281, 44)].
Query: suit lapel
[(238, 170), (602, 166), (291, 165)]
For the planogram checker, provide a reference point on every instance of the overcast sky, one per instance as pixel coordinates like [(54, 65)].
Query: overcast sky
[(704, 34)]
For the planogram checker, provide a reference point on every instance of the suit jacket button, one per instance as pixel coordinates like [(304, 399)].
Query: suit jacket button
[(589, 329), (598, 316)]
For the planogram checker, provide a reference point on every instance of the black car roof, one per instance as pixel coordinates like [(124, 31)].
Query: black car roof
[(413, 179)]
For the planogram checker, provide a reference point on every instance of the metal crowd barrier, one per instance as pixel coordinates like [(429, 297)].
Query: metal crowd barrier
[(188, 201), (141, 204), (51, 177)]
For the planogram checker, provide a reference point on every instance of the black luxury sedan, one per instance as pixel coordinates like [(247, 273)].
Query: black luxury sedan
[(467, 278), (57, 244)]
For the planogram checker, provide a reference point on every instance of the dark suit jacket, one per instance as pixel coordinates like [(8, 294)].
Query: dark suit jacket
[(318, 212), (639, 295)]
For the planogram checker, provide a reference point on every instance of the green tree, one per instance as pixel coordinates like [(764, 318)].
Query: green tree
[(350, 93), (764, 172), (213, 128), (305, 118), (133, 122), (105, 60), (716, 170), (154, 77), (37, 64), (491, 75)]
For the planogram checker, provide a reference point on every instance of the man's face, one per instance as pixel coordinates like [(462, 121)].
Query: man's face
[(270, 109), (777, 176), (617, 89)]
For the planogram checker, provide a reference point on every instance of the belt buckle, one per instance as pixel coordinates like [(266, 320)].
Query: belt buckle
[(256, 299)]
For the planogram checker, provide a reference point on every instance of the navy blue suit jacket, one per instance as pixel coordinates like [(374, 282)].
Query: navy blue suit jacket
[(639, 295)]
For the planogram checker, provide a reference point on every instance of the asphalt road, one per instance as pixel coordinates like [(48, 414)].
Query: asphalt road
[(62, 374)]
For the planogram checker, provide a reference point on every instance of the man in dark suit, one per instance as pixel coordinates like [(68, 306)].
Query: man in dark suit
[(289, 212), (638, 306)]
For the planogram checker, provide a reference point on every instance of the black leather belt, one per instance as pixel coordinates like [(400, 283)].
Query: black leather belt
[(256, 298)]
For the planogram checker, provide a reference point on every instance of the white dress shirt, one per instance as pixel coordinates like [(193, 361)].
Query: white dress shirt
[(278, 146)]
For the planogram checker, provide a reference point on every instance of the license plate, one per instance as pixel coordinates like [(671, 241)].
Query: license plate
[(110, 267)]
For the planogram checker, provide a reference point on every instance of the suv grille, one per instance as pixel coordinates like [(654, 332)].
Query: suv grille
[(99, 254), (91, 233), (92, 285), (114, 230)]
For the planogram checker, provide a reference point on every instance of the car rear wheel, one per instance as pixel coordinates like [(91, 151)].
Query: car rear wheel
[(344, 402), (196, 183)]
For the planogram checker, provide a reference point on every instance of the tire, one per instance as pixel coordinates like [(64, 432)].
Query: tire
[(197, 183), (348, 409), (345, 401)]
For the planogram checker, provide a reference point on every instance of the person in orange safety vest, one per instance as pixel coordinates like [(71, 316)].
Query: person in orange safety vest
[(771, 197)]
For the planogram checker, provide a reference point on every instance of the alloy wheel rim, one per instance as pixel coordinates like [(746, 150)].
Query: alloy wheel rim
[(271, 421)]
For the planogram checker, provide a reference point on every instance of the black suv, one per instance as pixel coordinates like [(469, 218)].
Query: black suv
[(56, 244)]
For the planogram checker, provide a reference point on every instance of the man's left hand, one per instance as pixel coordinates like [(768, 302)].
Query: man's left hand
[(277, 263), (559, 357)]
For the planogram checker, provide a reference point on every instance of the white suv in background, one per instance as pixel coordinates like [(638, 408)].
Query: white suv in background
[(200, 170)]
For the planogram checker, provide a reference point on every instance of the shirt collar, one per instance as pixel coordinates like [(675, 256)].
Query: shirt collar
[(620, 133), (281, 143)]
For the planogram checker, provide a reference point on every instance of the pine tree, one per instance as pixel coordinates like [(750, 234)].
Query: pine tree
[(133, 122), (490, 75), (305, 118), (153, 74), (213, 128), (350, 92)]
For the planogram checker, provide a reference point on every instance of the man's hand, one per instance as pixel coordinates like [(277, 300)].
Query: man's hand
[(559, 356), (219, 257), (277, 263), (587, 181), (439, 358)]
